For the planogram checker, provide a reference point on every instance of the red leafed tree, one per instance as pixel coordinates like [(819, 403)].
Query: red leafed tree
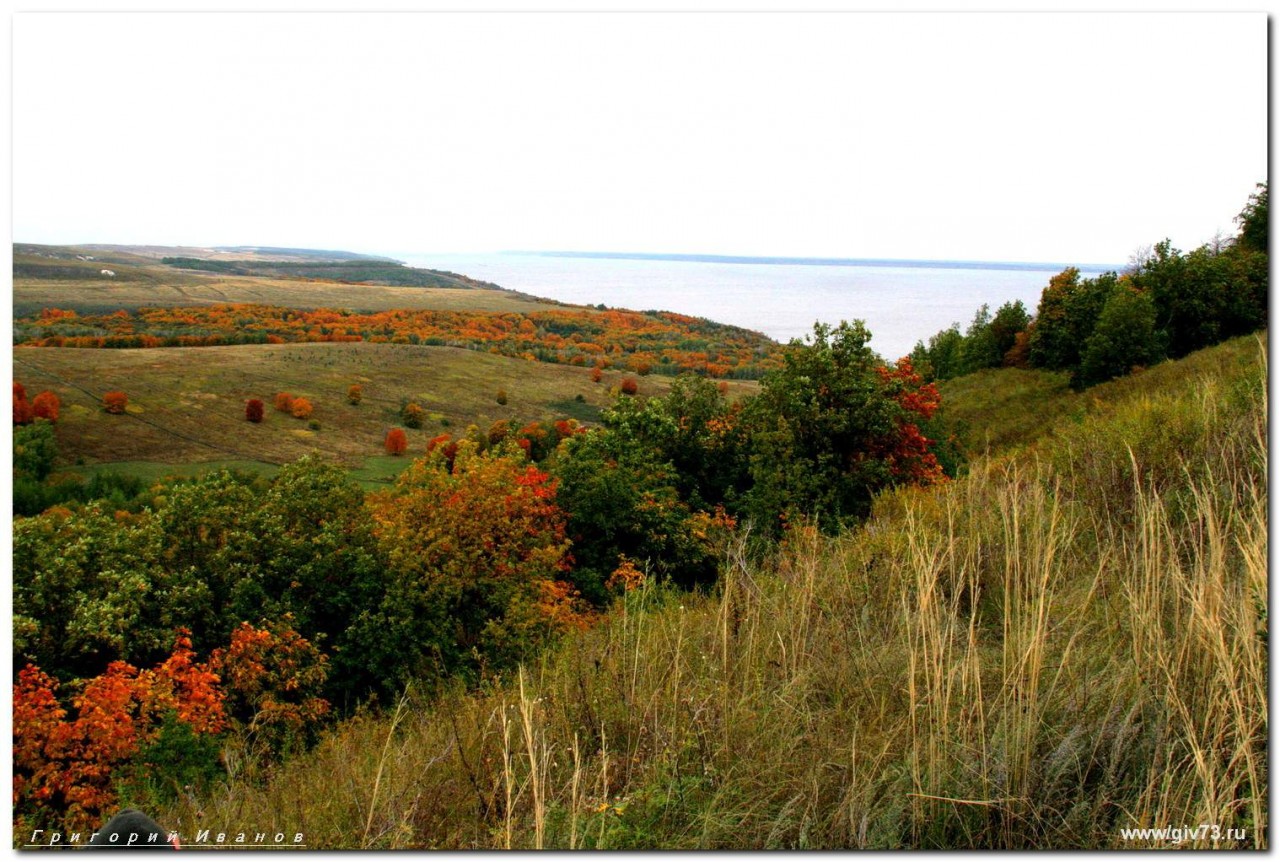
[(908, 454), (46, 405), (273, 677), (65, 769), (629, 386), (254, 410), (284, 402), (396, 443), (596, 374), (115, 402), (22, 411)]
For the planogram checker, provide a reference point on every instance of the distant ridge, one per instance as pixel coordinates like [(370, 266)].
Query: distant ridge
[(826, 261)]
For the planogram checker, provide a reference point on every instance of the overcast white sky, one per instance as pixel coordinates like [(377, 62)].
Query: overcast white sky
[(1037, 137)]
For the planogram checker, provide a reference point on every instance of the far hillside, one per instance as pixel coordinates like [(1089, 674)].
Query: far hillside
[(104, 279)]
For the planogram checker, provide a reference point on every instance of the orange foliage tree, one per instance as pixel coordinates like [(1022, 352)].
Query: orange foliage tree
[(115, 402), (46, 405), (355, 393), (300, 408), (65, 769), (479, 550), (273, 678), (629, 386), (395, 443), (284, 402)]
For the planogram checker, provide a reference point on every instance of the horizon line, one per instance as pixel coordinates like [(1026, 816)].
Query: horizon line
[(785, 260)]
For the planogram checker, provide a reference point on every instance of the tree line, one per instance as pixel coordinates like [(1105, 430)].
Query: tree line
[(1166, 305)]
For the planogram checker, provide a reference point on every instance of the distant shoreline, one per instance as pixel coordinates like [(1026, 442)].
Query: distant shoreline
[(822, 261)]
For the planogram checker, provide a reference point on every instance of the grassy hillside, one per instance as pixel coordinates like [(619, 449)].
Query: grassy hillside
[(1068, 642), (1002, 408), (57, 277), (187, 404)]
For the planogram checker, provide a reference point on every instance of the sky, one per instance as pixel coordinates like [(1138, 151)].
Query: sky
[(1018, 137)]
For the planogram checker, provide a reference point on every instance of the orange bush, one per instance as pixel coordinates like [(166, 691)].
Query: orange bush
[(596, 374), (396, 443), (46, 406), (355, 394), (284, 402), (115, 402), (64, 770), (629, 386), (301, 408)]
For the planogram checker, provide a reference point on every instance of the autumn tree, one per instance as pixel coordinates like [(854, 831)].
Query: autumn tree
[(115, 402), (66, 769), (301, 408), (473, 551), (596, 374), (395, 443), (46, 405), (274, 679), (22, 410), (284, 402), (355, 393), (629, 386), (412, 415), (254, 410)]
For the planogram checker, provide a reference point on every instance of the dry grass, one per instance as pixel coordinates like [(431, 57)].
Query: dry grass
[(1065, 643), (187, 404), (165, 290)]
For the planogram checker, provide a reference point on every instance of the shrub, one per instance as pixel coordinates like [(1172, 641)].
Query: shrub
[(596, 374), (253, 410), (301, 408), (284, 402), (502, 396), (314, 425), (46, 406), (412, 415), (355, 394), (115, 402), (395, 443), (629, 386)]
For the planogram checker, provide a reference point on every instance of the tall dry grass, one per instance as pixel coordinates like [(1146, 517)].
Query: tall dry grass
[(1068, 642)]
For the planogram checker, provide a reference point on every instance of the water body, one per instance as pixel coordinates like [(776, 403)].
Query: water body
[(901, 302)]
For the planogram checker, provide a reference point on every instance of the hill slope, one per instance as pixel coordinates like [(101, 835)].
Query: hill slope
[(1068, 642), (187, 403)]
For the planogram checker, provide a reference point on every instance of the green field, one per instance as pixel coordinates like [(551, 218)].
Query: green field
[(186, 405)]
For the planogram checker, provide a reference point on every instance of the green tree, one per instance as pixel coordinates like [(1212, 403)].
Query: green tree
[(815, 428), (34, 450), (1253, 222), (622, 500), (1068, 311), (1124, 337)]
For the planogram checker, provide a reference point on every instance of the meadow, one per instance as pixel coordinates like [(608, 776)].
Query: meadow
[(186, 404)]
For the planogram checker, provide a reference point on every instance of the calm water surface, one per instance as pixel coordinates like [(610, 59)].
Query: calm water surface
[(900, 304)]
